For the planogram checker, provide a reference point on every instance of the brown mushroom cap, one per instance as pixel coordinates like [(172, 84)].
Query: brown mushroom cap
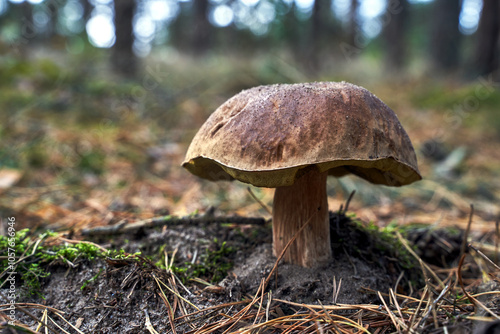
[(266, 135)]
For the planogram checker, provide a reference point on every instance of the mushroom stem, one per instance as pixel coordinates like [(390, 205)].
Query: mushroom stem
[(293, 207)]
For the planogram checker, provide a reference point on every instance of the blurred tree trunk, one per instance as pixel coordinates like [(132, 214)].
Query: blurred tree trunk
[(87, 10), (28, 30), (180, 30), (488, 33), (319, 34), (52, 9), (295, 33), (202, 29), (317, 22), (395, 34), (292, 30), (445, 36), (353, 22), (123, 59), (316, 37)]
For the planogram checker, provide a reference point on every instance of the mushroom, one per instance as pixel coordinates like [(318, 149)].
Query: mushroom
[(291, 137)]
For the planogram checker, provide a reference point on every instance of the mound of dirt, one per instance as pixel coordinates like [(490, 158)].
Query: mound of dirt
[(105, 296), (308, 285)]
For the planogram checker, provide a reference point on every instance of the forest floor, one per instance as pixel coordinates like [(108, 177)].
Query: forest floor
[(82, 149)]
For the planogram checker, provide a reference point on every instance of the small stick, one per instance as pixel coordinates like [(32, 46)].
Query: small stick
[(390, 314), (432, 306), (36, 319), (414, 316), (124, 227), (497, 236), (467, 231), (392, 296), (170, 312), (485, 257), (350, 261), (148, 324), (473, 300), (349, 201), (336, 289), (269, 300), (265, 207), (398, 280), (260, 307), (425, 267)]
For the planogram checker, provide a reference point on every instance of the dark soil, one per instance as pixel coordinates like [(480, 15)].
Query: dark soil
[(123, 294)]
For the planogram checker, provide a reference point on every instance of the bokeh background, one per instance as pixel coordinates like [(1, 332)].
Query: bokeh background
[(99, 100)]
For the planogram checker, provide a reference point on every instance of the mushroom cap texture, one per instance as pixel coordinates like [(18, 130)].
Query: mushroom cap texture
[(268, 135)]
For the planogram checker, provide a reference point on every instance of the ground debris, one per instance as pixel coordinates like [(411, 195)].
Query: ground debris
[(134, 294)]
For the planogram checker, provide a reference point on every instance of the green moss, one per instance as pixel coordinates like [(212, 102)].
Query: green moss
[(71, 252), (31, 276), (120, 254), (28, 257), (212, 266), (93, 279)]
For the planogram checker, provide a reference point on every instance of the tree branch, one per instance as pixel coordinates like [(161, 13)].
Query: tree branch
[(125, 227)]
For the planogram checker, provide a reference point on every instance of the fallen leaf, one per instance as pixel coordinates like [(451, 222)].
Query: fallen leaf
[(9, 177)]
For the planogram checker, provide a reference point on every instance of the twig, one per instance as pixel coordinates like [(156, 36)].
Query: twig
[(392, 296), (269, 300), (245, 310), (265, 207), (260, 307), (339, 307), (34, 318), (349, 201), (398, 280), (215, 308), (125, 227), (415, 314), (473, 300), (43, 321), (336, 289), (497, 237), (485, 257), (350, 261), (176, 293), (467, 231), (28, 305), (56, 324), (17, 328), (432, 306), (69, 323), (170, 312), (390, 314), (422, 263), (148, 324)]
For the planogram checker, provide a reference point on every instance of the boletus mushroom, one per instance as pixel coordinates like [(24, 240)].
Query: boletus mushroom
[(291, 137)]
